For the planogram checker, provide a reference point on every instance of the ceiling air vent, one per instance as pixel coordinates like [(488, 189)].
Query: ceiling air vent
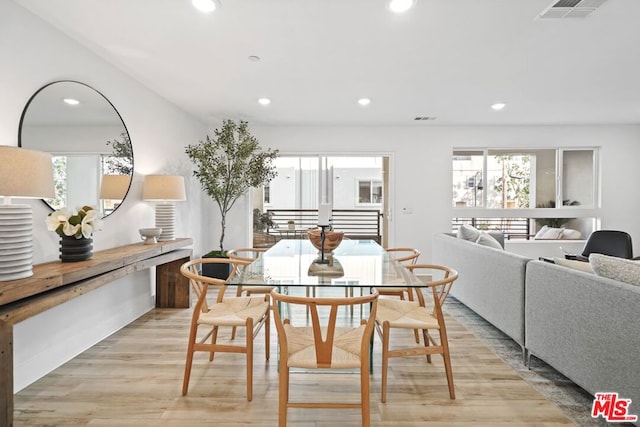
[(571, 9), (424, 118)]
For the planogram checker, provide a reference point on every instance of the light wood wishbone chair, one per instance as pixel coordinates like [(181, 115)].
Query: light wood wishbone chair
[(250, 313)]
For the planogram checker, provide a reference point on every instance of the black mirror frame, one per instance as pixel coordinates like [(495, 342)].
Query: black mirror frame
[(26, 107)]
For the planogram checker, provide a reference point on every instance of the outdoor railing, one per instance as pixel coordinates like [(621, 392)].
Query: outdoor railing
[(356, 224)]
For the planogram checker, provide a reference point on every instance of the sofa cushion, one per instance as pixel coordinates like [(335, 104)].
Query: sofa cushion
[(572, 263), (467, 232), (549, 233), (485, 239), (623, 270), (571, 234)]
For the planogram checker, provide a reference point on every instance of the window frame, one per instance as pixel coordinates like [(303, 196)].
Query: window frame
[(371, 182), (586, 211)]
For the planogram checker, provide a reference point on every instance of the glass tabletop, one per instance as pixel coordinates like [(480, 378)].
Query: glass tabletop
[(355, 263)]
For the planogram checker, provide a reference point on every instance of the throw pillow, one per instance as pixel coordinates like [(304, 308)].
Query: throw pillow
[(572, 263), (623, 270), (571, 234), (467, 232), (549, 233), (485, 239)]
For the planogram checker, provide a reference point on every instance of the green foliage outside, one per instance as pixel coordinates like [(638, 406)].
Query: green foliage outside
[(514, 182), (228, 164), (262, 221), (59, 182), (120, 162)]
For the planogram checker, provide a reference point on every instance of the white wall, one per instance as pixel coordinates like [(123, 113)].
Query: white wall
[(345, 186), (287, 184), (34, 54), (421, 166)]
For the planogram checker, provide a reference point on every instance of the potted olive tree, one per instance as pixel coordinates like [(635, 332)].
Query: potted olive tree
[(227, 165)]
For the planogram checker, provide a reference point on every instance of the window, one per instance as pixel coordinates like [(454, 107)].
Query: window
[(369, 192), (563, 179), (509, 178), (524, 178), (468, 171), (266, 193)]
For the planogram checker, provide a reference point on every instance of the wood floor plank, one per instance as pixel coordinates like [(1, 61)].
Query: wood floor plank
[(134, 378)]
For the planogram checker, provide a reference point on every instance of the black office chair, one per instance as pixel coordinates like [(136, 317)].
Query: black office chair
[(607, 242)]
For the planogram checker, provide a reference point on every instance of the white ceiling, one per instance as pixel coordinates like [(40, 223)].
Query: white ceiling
[(445, 58)]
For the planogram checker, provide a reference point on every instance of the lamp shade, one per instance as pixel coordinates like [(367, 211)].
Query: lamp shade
[(114, 187), (25, 173), (163, 187)]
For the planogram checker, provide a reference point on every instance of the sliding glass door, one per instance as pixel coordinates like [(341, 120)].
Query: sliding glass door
[(349, 183)]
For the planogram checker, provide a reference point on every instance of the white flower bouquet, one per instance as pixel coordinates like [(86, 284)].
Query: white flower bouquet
[(79, 224)]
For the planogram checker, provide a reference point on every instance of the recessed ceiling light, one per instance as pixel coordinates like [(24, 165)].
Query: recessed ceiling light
[(498, 106), (364, 101), (205, 6), (264, 101), (400, 6), (71, 101)]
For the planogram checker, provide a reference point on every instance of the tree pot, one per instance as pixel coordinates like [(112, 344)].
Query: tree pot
[(218, 271)]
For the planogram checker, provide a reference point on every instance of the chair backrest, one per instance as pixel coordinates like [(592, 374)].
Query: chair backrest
[(609, 242), (200, 284), (405, 256), (440, 286), (245, 254), (327, 324)]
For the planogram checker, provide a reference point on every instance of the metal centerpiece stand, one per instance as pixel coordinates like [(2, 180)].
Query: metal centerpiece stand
[(325, 265)]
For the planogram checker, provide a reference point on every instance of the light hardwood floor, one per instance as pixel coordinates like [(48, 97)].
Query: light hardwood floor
[(134, 378)]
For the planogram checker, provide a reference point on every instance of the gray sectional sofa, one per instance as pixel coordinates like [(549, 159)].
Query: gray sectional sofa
[(585, 326), (491, 281)]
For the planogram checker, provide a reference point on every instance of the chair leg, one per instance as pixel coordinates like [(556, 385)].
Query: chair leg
[(189, 361), (385, 359), (447, 362), (364, 394), (283, 398), (416, 332), (214, 338), (238, 294), (249, 350), (427, 343), (267, 334), (348, 292)]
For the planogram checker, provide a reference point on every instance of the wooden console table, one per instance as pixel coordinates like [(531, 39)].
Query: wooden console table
[(54, 283)]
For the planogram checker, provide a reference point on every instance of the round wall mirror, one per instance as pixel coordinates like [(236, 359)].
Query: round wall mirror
[(89, 143)]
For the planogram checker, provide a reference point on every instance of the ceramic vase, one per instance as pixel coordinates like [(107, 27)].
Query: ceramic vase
[(72, 249)]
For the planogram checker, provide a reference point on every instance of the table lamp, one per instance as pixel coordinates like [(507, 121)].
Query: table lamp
[(164, 189), (23, 174), (114, 187)]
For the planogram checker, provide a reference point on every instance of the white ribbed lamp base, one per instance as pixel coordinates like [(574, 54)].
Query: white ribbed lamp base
[(166, 219), (16, 242)]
